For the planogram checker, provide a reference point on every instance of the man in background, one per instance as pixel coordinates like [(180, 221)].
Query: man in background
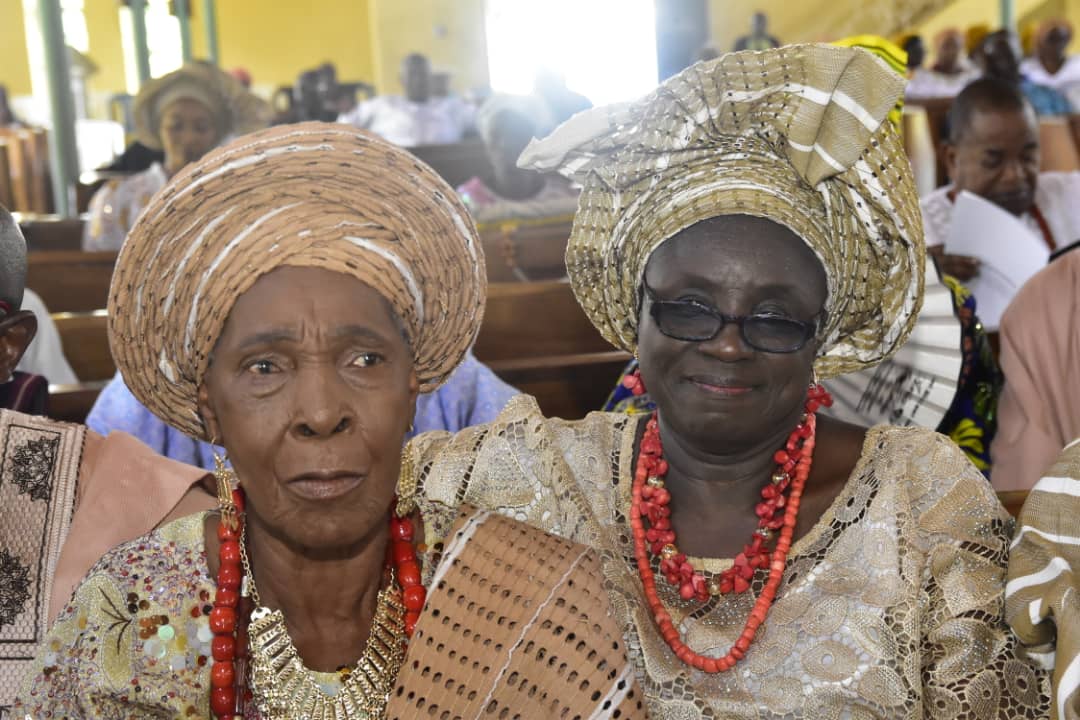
[(759, 37), (418, 118)]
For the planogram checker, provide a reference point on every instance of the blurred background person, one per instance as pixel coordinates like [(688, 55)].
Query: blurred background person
[(997, 58), (418, 118), (506, 126), (949, 74), (185, 114), (759, 37), (1051, 65)]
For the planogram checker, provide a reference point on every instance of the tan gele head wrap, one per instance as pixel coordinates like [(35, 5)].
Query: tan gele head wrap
[(796, 135), (235, 109), (308, 195)]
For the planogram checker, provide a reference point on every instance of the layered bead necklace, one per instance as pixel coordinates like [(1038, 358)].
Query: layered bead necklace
[(650, 521), (245, 632)]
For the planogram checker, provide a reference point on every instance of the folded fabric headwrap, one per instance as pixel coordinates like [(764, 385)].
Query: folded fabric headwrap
[(308, 195), (235, 109), (796, 135)]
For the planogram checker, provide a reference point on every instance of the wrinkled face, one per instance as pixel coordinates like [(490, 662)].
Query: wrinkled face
[(948, 50), (311, 390), (997, 157), (722, 395), (188, 132)]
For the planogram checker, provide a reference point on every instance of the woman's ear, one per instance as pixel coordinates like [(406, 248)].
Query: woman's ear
[(209, 416)]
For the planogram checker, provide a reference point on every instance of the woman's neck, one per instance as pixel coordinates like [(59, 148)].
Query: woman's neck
[(328, 602), (714, 495)]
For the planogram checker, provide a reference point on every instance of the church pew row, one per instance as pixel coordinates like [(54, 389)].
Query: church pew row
[(50, 232), (534, 336), (71, 281)]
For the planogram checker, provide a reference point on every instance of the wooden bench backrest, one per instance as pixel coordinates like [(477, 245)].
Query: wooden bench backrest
[(28, 169), (536, 338), (526, 252), (71, 281), (456, 163), (50, 233), (72, 403), (86, 344)]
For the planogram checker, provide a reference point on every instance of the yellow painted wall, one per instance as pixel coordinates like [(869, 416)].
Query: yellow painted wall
[(14, 67), (450, 32), (103, 27), (276, 40)]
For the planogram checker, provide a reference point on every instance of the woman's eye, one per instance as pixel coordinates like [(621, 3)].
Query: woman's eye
[(367, 359), (261, 367)]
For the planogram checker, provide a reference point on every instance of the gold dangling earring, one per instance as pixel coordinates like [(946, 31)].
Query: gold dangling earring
[(406, 486), (226, 482)]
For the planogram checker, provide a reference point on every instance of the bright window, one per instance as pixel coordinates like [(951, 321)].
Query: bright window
[(74, 20), (162, 37), (606, 49)]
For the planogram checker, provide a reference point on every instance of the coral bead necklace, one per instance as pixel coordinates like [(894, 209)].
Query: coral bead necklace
[(399, 609), (650, 520)]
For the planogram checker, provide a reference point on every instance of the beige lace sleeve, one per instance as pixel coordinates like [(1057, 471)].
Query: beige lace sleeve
[(971, 664)]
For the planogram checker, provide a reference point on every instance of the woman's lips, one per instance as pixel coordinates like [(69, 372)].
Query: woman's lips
[(325, 485), (721, 387)]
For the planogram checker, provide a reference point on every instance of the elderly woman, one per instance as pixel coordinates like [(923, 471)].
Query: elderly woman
[(185, 114), (289, 296), (749, 229)]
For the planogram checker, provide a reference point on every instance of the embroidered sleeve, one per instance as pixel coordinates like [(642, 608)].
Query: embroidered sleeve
[(971, 665)]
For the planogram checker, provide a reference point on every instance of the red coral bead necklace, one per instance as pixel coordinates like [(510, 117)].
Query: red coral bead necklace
[(232, 606), (650, 521)]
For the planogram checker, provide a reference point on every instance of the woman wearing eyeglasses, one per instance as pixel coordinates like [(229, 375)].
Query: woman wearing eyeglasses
[(750, 229)]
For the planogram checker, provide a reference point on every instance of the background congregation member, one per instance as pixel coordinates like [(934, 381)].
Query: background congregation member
[(1041, 598), (763, 561), (1040, 355), (69, 494), (418, 118), (472, 395), (997, 58), (759, 37), (185, 114), (993, 152), (562, 103), (363, 286), (1051, 65), (506, 126), (45, 354), (950, 72)]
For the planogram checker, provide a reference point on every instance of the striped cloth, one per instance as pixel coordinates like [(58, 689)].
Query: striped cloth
[(1041, 601)]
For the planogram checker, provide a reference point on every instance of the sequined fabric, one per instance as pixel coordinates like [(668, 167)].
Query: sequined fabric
[(891, 607)]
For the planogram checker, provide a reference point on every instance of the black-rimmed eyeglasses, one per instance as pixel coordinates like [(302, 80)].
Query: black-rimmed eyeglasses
[(692, 321)]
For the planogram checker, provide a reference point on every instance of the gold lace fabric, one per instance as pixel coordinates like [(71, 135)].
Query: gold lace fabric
[(891, 607)]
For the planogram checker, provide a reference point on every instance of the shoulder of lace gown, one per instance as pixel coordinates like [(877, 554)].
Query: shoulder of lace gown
[(891, 606)]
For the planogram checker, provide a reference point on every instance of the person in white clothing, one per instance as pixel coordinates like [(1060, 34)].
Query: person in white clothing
[(45, 355), (418, 118), (1051, 65), (949, 74), (993, 151)]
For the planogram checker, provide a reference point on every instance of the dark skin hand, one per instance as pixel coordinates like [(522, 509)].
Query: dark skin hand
[(311, 390), (725, 408)]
